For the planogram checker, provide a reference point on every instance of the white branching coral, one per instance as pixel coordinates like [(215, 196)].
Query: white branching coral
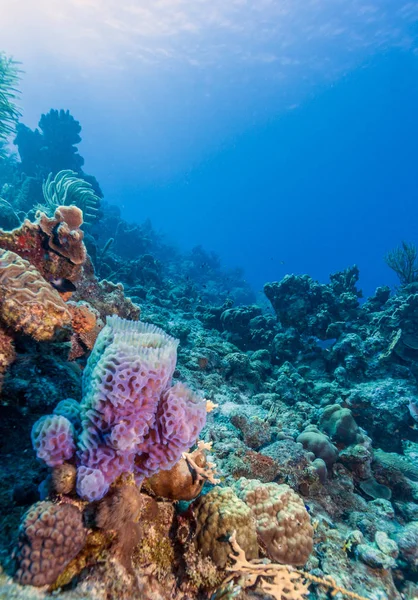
[(206, 472), (282, 582)]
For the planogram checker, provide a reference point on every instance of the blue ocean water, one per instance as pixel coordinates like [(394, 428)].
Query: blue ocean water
[(281, 136)]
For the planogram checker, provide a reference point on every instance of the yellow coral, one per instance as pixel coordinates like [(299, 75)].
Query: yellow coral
[(218, 514), (97, 543), (202, 571), (156, 549)]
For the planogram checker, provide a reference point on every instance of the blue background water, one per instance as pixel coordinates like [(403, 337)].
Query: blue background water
[(297, 159)]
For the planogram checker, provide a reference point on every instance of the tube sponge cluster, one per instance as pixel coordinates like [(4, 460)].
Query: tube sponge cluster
[(53, 439), (132, 420)]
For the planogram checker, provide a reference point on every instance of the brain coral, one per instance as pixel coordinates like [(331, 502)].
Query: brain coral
[(218, 514), (53, 439), (28, 303), (282, 521), (50, 536)]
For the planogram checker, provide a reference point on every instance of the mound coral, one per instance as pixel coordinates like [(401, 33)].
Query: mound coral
[(28, 303), (319, 444), (131, 419), (339, 424), (50, 536), (282, 521), (218, 514)]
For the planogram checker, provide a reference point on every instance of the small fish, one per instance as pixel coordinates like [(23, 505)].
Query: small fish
[(63, 285), (224, 538)]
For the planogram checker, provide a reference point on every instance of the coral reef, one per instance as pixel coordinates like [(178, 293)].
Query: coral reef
[(308, 431)]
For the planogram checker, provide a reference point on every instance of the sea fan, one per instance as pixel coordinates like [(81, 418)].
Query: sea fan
[(9, 113), (67, 188)]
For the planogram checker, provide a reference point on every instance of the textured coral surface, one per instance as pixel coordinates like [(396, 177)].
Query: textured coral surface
[(218, 514), (28, 303), (50, 536), (282, 521)]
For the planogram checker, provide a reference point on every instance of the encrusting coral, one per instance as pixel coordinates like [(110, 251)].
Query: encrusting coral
[(86, 325), (120, 512), (7, 353), (28, 304)]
